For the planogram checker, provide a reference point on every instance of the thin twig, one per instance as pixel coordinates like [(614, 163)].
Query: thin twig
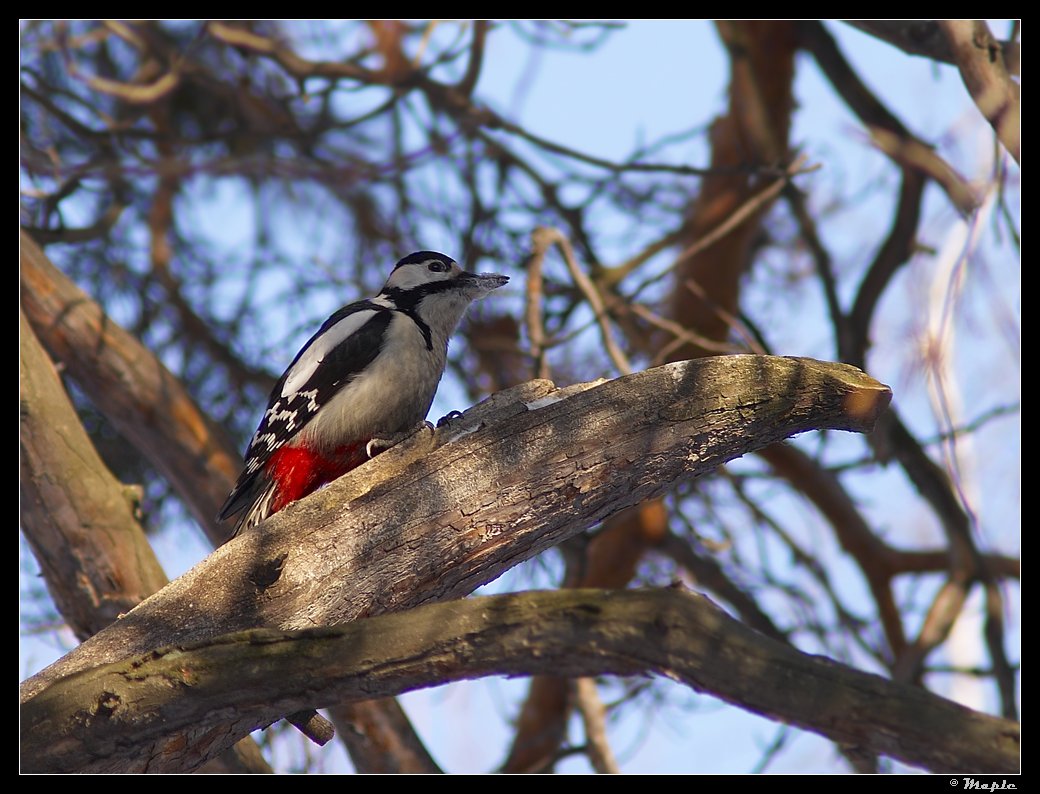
[(946, 608), (533, 297), (748, 208), (545, 236), (745, 210), (822, 258), (476, 58), (893, 254), (683, 335), (594, 718), (751, 340)]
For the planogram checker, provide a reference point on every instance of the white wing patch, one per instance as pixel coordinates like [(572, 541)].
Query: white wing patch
[(312, 357)]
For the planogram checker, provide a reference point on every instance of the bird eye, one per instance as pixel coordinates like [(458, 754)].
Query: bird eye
[(437, 266)]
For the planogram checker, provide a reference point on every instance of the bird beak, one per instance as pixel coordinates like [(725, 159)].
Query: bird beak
[(483, 283)]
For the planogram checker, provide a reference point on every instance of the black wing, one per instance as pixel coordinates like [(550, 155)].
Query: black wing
[(327, 363)]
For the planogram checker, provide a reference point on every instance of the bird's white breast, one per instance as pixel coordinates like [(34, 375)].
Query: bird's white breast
[(392, 394)]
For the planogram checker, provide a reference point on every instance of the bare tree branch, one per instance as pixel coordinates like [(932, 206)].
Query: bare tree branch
[(594, 718), (380, 738), (925, 37), (79, 521), (140, 396), (542, 238), (458, 514), (887, 131), (257, 675), (979, 57), (372, 137)]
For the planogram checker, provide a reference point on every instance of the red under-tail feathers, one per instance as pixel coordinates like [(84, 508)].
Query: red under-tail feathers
[(298, 471)]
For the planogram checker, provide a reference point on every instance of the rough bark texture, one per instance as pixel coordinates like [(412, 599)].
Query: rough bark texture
[(77, 518), (111, 713), (431, 520), (80, 522), (64, 494)]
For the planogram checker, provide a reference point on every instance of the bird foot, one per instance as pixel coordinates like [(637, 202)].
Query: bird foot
[(377, 445), (448, 418)]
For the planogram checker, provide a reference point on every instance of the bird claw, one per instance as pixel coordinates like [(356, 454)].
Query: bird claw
[(377, 445), (448, 418)]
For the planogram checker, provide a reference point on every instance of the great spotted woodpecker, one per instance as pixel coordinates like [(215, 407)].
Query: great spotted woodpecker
[(366, 378)]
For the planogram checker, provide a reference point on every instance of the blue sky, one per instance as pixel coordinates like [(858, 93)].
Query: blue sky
[(656, 78)]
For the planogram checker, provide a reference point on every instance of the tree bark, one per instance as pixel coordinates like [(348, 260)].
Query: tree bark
[(134, 714), (78, 519), (980, 58), (143, 400), (446, 512)]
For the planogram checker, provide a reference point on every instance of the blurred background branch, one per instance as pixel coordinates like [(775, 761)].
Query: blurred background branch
[(208, 192)]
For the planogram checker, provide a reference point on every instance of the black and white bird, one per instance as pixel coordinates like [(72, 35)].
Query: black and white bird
[(367, 377)]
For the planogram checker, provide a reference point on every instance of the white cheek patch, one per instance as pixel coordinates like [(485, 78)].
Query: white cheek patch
[(415, 275), (311, 357)]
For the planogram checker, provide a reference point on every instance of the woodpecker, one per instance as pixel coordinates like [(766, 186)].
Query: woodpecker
[(362, 382)]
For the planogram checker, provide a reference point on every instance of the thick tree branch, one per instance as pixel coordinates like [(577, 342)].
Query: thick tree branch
[(431, 520), (156, 699), (79, 520), (145, 402), (526, 469), (925, 37), (980, 59), (77, 517)]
